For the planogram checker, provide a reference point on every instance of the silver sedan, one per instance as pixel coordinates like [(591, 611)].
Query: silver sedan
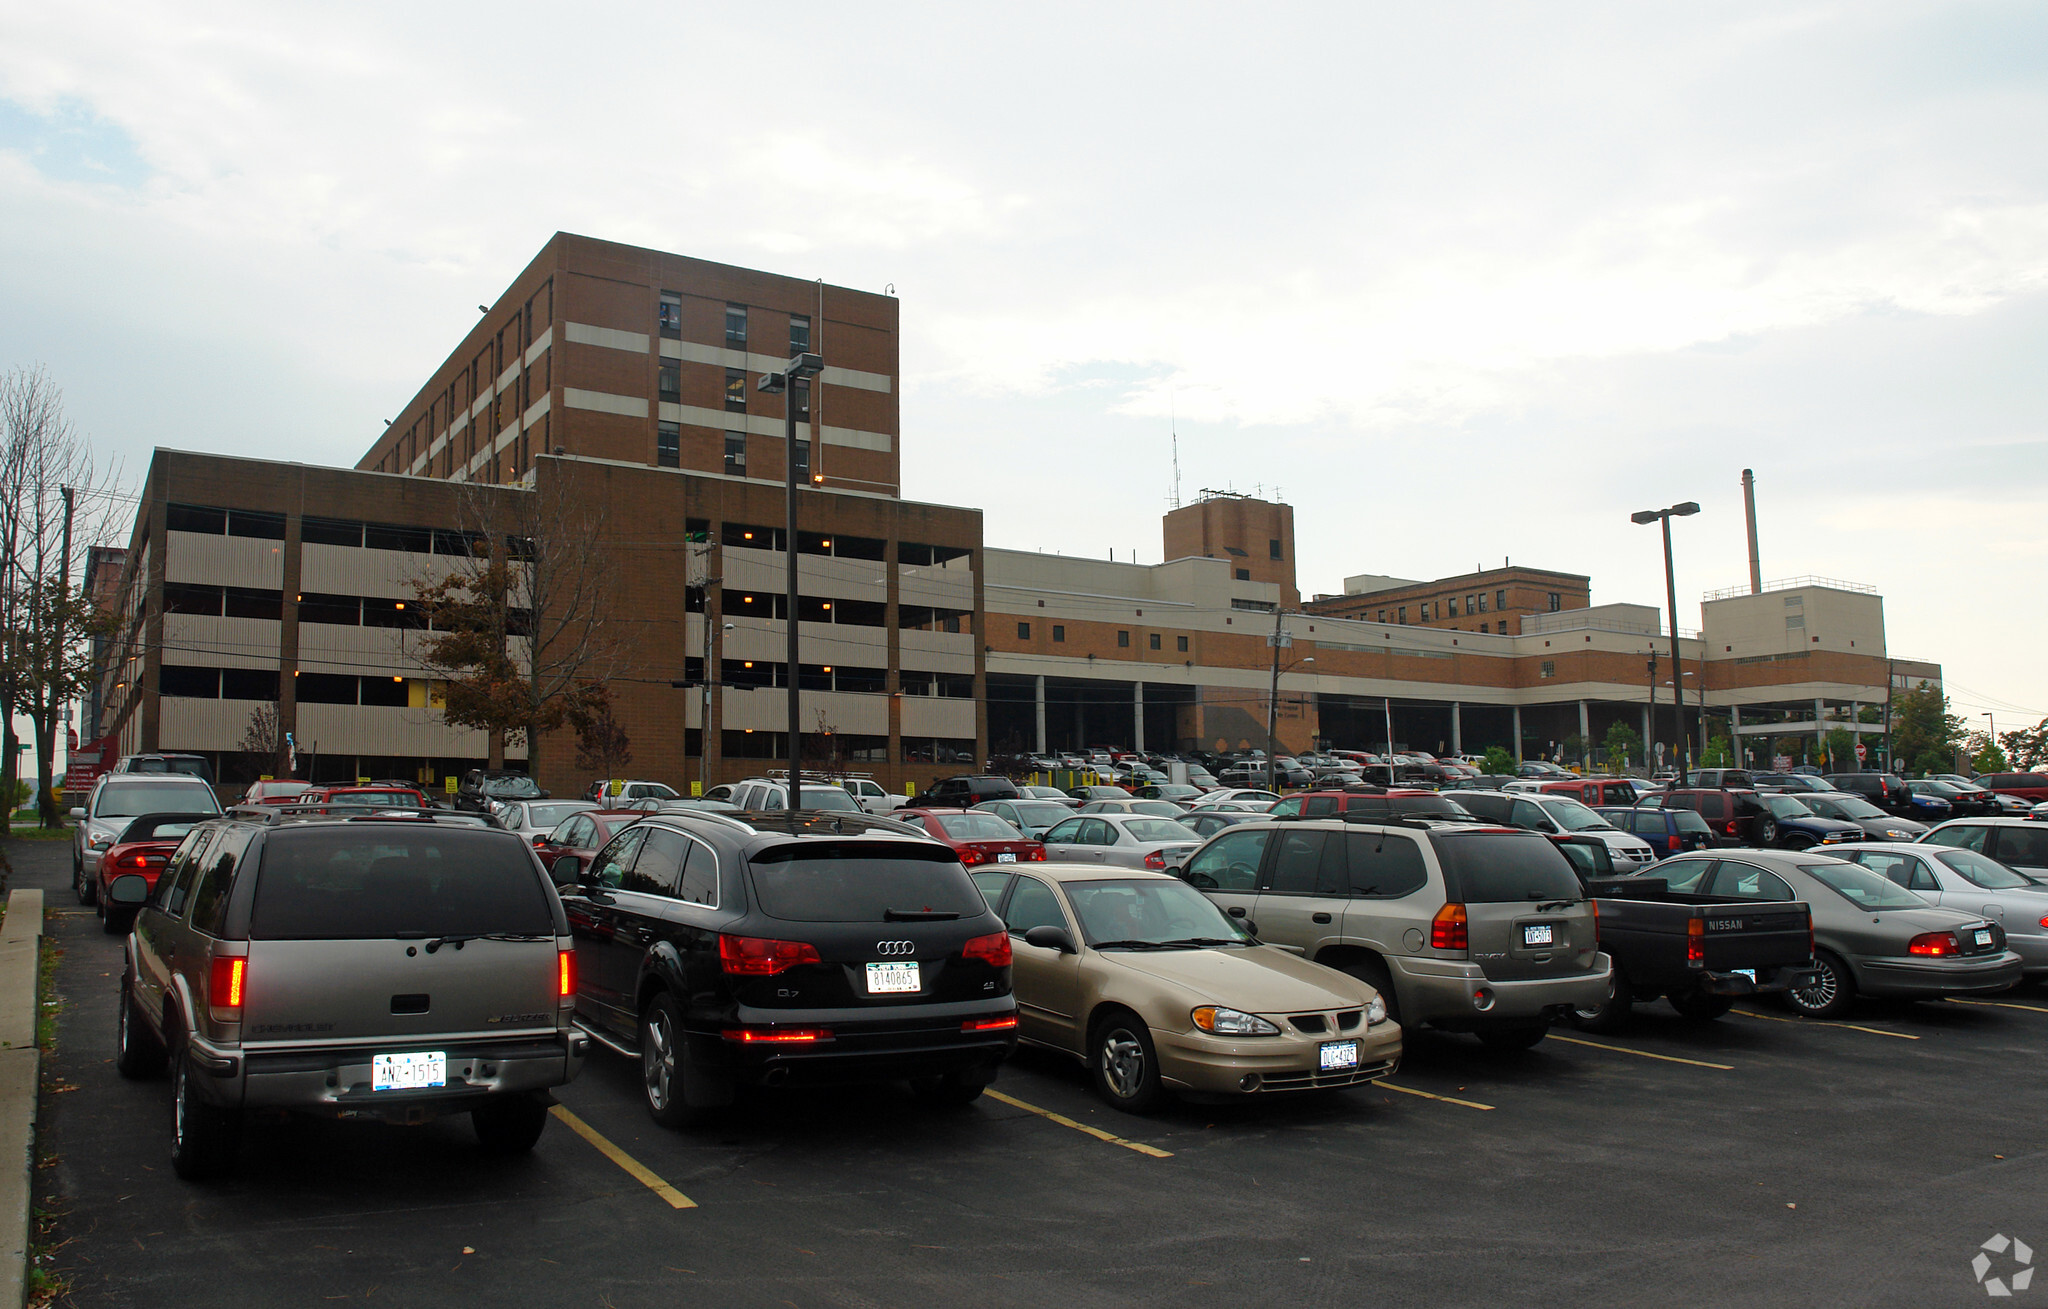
[(1971, 882), (530, 818), (1125, 840)]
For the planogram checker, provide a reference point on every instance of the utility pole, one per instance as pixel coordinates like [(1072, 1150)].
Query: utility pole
[(63, 598), (1650, 769), (1273, 698)]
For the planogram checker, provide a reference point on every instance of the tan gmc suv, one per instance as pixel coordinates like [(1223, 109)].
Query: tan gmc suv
[(1459, 926)]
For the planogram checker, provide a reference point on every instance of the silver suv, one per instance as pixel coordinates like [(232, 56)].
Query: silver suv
[(393, 967), (1459, 926)]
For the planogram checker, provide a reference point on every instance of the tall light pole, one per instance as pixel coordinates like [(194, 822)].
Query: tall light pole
[(1664, 516), (1273, 696), (784, 383)]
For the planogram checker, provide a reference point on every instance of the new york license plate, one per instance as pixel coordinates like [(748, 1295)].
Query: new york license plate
[(888, 979), (1539, 934), (408, 1072), (1333, 1055), (1984, 937), (1006, 857)]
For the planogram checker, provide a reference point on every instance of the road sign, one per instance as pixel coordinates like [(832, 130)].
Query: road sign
[(1859, 752)]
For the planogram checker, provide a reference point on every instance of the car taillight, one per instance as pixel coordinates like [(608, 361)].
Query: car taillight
[(1732, 826), (1036, 852), (759, 956), (1596, 920), (1934, 943), (972, 856), (1156, 860), (778, 1035), (565, 973), (136, 861), (1447, 930), (993, 949), (228, 976), (1695, 943), (1002, 1024)]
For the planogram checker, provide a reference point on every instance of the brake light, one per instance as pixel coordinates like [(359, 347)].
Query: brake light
[(776, 1035), (993, 949), (228, 976), (1156, 860), (1002, 1024), (1036, 852), (1934, 943), (1695, 943), (970, 855), (137, 861), (1596, 921), (1447, 931), (565, 973), (759, 956), (1732, 825)]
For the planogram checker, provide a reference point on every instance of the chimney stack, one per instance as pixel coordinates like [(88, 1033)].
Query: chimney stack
[(1756, 569)]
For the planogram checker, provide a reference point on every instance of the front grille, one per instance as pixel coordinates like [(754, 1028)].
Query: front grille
[(1349, 1019), (1313, 1081), (1309, 1023)]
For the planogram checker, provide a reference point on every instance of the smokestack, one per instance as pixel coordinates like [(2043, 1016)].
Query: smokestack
[(1756, 568)]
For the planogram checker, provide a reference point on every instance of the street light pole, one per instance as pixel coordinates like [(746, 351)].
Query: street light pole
[(797, 369), (1664, 516)]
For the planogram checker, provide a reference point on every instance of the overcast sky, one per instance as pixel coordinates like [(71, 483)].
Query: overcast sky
[(1462, 282)]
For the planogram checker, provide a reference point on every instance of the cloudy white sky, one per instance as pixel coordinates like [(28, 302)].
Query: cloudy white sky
[(1463, 282)]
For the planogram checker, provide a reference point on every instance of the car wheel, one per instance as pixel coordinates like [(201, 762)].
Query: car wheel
[(137, 1053), (1518, 1036), (950, 1091), (1832, 992), (510, 1124), (203, 1136), (1374, 974), (1699, 1006), (1766, 831), (82, 886), (1610, 1013), (116, 922), (663, 1065), (1124, 1064)]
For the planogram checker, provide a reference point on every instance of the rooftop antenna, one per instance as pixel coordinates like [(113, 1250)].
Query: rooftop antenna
[(1173, 428)]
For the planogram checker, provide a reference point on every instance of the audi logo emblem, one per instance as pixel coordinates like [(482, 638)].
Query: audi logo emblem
[(895, 947)]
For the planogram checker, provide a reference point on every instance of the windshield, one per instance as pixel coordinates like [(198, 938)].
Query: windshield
[(1575, 817), (1942, 789), (133, 799), (1043, 815), (1862, 888), (1159, 829), (375, 799), (859, 882), (547, 815), (325, 884), (1851, 807), (512, 788), (1784, 806), (975, 827), (1985, 871), (168, 829), (1157, 808), (829, 797), (1148, 910)]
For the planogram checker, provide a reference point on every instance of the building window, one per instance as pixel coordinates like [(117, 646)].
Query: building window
[(801, 393), (671, 380), (1155, 640), (670, 315), (668, 445), (1244, 574), (1180, 643), (736, 454), (1423, 611), (1273, 550), (1059, 633), (1482, 602), (1404, 614), (803, 461), (1454, 606), (1482, 627), (1548, 668), (1382, 618), (1123, 640), (736, 390), (1556, 602), (1500, 599), (736, 325), (799, 333), (1023, 631)]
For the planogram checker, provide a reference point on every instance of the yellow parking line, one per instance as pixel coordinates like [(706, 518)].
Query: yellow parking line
[(1409, 1090), (2002, 1004), (1095, 1132), (1622, 1049), (1822, 1022), (638, 1171)]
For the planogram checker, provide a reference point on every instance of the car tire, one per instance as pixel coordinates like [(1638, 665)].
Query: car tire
[(116, 922), (1510, 1037), (510, 1124), (1833, 991), (82, 886), (665, 1067), (1766, 832), (949, 1091), (1374, 974), (1611, 1013), (203, 1136), (137, 1052), (1122, 1062), (1699, 1006)]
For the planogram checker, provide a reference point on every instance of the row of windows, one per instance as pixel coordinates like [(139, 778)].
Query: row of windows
[(194, 683), (668, 317), (314, 607), (763, 674), (353, 533), (909, 554), (843, 747), (1123, 638)]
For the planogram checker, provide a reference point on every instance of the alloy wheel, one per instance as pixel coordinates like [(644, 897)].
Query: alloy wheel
[(658, 1062), (1123, 1062), (1823, 991)]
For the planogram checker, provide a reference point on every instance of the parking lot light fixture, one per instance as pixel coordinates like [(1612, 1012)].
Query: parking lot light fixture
[(783, 383), (1684, 509)]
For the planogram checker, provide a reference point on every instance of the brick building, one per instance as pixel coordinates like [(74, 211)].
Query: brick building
[(1494, 600)]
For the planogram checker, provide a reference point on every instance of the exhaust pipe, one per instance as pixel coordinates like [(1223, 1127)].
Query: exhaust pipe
[(775, 1077)]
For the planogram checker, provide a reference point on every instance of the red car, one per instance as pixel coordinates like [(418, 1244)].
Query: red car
[(1322, 804), (144, 848), (979, 837), (364, 797), (276, 791), (580, 836)]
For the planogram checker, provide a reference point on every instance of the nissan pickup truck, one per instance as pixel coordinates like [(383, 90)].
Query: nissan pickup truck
[(1700, 952)]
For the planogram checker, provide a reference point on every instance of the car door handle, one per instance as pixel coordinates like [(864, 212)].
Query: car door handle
[(1237, 911), (1319, 918)]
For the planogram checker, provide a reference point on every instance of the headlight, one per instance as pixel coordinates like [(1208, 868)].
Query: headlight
[(1232, 1022), (1376, 1012), (1899, 836), (100, 840)]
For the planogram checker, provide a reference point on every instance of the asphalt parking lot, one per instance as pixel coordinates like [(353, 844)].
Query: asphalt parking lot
[(1757, 1160)]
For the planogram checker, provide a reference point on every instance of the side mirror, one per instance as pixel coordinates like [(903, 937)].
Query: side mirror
[(1049, 937), (564, 874), (128, 889), (78, 813), (544, 795), (540, 840)]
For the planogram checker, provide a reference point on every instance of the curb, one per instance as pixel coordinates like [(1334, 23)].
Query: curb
[(20, 1076)]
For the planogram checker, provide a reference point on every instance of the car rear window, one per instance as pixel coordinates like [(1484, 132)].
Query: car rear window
[(1688, 821), (134, 799), (860, 881), (375, 799), (975, 827), (371, 883), (1160, 829), (1498, 867)]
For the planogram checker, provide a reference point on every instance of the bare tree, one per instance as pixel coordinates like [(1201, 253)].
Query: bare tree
[(54, 498), (602, 743), (262, 742), (521, 625)]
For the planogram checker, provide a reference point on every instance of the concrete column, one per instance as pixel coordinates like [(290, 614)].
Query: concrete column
[(1518, 733), (1647, 748), (1585, 734), (1820, 731), (1038, 698), (1138, 717), (1457, 731)]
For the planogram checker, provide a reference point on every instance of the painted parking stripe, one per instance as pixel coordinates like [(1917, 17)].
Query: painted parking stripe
[(1427, 1095), (2002, 1004), (1643, 1054), (638, 1171), (1822, 1022), (1095, 1132)]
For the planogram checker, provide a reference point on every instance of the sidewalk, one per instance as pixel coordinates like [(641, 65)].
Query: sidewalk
[(20, 1071)]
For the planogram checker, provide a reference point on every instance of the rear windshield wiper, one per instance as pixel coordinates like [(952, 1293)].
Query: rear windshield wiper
[(919, 915), (1549, 905), (458, 940)]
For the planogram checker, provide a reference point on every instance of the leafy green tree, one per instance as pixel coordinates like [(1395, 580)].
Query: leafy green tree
[(1623, 744), (2027, 748), (1985, 756), (1720, 753), (1499, 761), (1574, 747), (1841, 750), (1924, 733)]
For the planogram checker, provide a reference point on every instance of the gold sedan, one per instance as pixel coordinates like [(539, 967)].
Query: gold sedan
[(1155, 989)]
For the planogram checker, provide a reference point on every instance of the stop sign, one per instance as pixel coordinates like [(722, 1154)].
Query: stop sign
[(1859, 752)]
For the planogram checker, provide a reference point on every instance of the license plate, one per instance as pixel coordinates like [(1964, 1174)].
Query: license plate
[(892, 979), (1006, 858), (1332, 1055), (1750, 973), (1539, 934), (1984, 937), (408, 1072)]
